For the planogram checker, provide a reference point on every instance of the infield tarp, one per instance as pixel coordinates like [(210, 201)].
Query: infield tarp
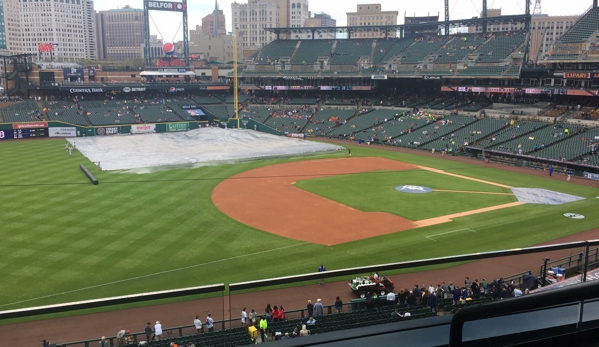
[(204, 146)]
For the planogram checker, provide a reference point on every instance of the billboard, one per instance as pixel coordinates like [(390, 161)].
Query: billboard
[(166, 6), (62, 132), (173, 127), (143, 128)]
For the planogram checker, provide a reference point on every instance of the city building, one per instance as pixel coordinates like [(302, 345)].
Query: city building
[(213, 46), (370, 15), (120, 33), (68, 26), (215, 23), (544, 30), (320, 20), (250, 19), (2, 27)]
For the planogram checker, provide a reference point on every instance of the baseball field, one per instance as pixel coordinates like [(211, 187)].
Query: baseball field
[(64, 239)]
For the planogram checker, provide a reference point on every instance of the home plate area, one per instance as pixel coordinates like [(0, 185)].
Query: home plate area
[(543, 196)]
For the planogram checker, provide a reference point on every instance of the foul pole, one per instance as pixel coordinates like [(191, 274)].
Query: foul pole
[(235, 79)]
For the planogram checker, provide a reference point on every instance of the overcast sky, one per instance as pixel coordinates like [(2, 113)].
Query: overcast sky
[(168, 23)]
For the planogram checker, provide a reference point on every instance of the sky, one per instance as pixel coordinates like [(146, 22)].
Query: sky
[(168, 24)]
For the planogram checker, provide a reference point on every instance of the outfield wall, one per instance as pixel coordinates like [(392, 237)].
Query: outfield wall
[(61, 129)]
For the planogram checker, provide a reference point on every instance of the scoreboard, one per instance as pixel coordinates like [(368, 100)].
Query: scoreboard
[(24, 133)]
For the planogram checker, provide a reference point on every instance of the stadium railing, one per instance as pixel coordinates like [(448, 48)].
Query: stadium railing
[(309, 277)]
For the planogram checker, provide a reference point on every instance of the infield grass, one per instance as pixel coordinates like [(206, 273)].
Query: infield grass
[(375, 191), (64, 239)]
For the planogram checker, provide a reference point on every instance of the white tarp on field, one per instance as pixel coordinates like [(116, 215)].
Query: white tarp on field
[(205, 146)]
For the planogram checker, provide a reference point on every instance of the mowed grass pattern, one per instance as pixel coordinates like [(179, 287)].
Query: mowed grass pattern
[(375, 191), (64, 239)]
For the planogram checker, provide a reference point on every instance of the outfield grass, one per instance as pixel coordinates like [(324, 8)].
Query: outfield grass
[(64, 239), (375, 191)]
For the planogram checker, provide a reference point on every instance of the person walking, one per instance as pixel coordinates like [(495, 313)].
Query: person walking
[(550, 170)]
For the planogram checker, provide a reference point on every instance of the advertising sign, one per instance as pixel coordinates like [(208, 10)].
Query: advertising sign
[(174, 127), (143, 128), (166, 6), (62, 132), (29, 125), (108, 131)]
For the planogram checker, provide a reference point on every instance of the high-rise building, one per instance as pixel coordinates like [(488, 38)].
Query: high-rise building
[(370, 15), (320, 20), (215, 23), (2, 27), (69, 26), (250, 19), (213, 46), (121, 33), (544, 30), (298, 13)]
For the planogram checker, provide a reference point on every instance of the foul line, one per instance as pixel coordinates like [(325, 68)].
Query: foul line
[(464, 177), (448, 232), (152, 274), (470, 192)]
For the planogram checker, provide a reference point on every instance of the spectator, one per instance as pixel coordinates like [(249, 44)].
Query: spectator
[(148, 330), (263, 328), (318, 308), (310, 308), (104, 342), (157, 331), (517, 292), (411, 299), (244, 318), (275, 314), (338, 305), (456, 295), (45, 343), (391, 298), (304, 331), (311, 321), (210, 323), (433, 302), (268, 313), (198, 324), (402, 296), (253, 316), (281, 313)]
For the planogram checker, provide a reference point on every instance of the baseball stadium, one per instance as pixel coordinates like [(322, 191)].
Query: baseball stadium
[(432, 183)]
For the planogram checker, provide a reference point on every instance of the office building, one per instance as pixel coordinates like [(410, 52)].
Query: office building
[(121, 33), (68, 26), (214, 23), (370, 15)]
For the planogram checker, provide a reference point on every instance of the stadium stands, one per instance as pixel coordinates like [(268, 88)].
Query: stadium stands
[(348, 52), (467, 135), (534, 141), (420, 49), (583, 29), (277, 49), (325, 120), (509, 133), (155, 114), (386, 131), (258, 114), (25, 111), (575, 146), (499, 47), (482, 71), (390, 48), (458, 48), (435, 130), (310, 50), (288, 121), (104, 116), (207, 100)]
